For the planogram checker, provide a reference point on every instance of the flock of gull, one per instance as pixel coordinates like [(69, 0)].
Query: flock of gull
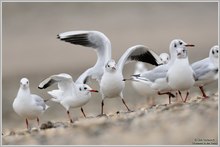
[(172, 75)]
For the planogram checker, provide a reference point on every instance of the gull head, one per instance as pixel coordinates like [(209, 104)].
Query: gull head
[(164, 58), (24, 83), (214, 51), (178, 48), (84, 90), (111, 66)]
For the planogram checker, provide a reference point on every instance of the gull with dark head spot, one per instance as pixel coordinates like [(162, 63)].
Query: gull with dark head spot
[(206, 70), (180, 76), (27, 105), (68, 94)]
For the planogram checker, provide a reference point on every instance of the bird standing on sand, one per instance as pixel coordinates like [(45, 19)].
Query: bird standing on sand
[(27, 105)]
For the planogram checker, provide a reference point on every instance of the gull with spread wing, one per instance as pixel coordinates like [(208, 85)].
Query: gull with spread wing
[(68, 94)]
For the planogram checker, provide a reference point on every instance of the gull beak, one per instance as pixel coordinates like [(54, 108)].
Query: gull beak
[(93, 90), (189, 45)]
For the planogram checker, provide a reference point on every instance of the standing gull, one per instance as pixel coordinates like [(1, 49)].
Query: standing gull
[(27, 105), (68, 94), (112, 83), (180, 76), (206, 70)]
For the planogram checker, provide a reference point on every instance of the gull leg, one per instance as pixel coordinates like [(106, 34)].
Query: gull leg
[(125, 104), (203, 92), (26, 123), (169, 99), (180, 95), (102, 105), (83, 112), (187, 94), (68, 113), (168, 93), (38, 122)]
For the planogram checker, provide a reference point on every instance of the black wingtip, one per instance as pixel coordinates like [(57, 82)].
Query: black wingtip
[(40, 87)]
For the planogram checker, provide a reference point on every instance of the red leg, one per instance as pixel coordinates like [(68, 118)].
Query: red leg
[(83, 112), (68, 113), (203, 92), (26, 123)]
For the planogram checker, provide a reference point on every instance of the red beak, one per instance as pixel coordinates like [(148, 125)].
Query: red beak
[(93, 90), (189, 45)]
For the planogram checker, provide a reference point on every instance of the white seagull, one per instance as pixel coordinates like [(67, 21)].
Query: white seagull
[(180, 76), (206, 70), (157, 77), (27, 105), (105, 71), (68, 94)]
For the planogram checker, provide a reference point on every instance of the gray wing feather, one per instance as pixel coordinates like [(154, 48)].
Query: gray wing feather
[(39, 101)]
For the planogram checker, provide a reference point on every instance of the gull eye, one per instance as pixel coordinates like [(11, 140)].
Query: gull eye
[(175, 45), (180, 43), (85, 88), (216, 51), (80, 89), (213, 52), (27, 82)]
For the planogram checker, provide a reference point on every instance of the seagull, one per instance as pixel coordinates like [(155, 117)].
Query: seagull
[(206, 70), (112, 83), (144, 89), (27, 105), (105, 71), (68, 94), (180, 75), (157, 77)]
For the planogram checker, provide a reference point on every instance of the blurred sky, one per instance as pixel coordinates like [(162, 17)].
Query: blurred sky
[(30, 47)]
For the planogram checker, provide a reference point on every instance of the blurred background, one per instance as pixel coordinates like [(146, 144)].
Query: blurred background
[(30, 47)]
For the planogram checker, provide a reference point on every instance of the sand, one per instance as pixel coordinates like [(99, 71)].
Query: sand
[(193, 122)]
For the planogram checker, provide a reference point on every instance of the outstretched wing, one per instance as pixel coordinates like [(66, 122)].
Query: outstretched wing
[(139, 53), (63, 80), (94, 39)]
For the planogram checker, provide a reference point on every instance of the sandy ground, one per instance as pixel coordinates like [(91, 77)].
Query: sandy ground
[(30, 49), (194, 122)]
